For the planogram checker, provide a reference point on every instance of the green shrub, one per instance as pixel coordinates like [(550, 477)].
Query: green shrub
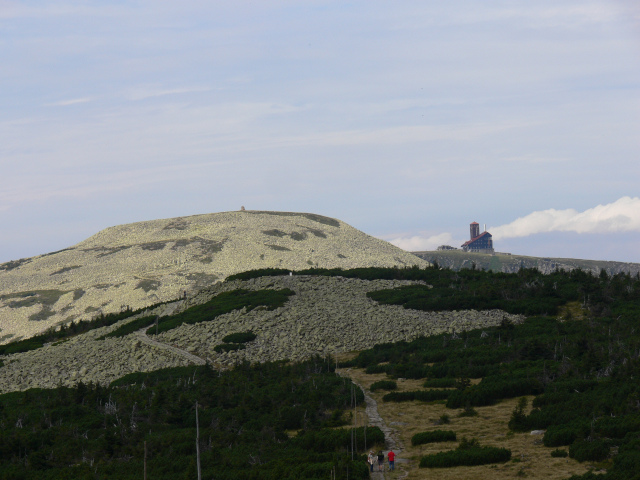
[(66, 331), (328, 440), (559, 453), (494, 389), (373, 369), (225, 302), (433, 436), (468, 411), (440, 383), (21, 346), (468, 453), (336, 419), (422, 395), (130, 327), (559, 435), (583, 450), (383, 385), (626, 464), (518, 421), (240, 337), (617, 427), (444, 419), (467, 443)]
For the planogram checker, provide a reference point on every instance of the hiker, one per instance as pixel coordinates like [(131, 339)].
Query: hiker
[(380, 461), (391, 456), (371, 459)]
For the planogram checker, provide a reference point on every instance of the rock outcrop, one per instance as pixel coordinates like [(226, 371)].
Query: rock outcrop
[(508, 263)]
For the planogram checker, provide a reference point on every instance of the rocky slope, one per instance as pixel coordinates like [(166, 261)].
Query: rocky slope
[(144, 263), (327, 315), (507, 263)]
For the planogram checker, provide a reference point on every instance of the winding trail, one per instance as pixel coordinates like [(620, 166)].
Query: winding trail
[(392, 440), (142, 336), (371, 406)]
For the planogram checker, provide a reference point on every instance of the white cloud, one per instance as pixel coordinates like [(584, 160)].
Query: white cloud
[(418, 243), (66, 103), (623, 215), (142, 93)]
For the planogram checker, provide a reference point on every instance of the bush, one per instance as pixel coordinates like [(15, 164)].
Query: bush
[(468, 453), (583, 450), (559, 435), (130, 327), (518, 421), (617, 427), (422, 395), (627, 463), (440, 383), (373, 369), (559, 453), (468, 411), (240, 337), (328, 440), (225, 302), (492, 390), (383, 385), (433, 436)]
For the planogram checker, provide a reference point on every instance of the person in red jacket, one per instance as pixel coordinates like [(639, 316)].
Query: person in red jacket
[(392, 457)]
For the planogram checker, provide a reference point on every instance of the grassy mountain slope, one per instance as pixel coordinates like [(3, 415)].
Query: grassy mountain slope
[(144, 263)]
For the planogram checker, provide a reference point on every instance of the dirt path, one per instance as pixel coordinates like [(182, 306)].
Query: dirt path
[(391, 438), (142, 336)]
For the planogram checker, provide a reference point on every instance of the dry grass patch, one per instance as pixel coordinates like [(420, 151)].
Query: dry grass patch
[(572, 311), (529, 457)]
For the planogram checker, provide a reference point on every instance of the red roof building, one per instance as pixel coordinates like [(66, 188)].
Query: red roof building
[(479, 242)]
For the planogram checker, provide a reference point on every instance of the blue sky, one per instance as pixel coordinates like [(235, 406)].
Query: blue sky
[(407, 120)]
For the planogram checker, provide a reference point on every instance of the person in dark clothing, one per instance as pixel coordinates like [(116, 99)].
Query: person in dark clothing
[(380, 461)]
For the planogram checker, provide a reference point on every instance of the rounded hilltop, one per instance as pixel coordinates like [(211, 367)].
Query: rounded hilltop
[(139, 264)]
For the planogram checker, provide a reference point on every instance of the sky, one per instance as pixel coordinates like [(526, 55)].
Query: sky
[(408, 120)]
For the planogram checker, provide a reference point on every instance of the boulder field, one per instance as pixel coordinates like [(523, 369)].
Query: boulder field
[(327, 315)]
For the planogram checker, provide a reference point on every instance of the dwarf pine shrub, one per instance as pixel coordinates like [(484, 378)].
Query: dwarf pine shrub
[(433, 436), (468, 453), (383, 385)]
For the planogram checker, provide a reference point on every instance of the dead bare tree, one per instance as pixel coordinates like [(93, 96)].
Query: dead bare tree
[(198, 442), (145, 460)]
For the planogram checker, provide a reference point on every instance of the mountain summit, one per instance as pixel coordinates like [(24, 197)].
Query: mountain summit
[(143, 263)]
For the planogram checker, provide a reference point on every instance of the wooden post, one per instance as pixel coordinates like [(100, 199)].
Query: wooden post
[(355, 418), (353, 430), (145, 460), (198, 442)]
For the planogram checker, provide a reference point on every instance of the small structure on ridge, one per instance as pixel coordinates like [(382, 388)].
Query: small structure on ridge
[(479, 242)]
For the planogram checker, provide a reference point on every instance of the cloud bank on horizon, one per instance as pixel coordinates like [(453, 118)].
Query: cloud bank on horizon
[(623, 215)]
